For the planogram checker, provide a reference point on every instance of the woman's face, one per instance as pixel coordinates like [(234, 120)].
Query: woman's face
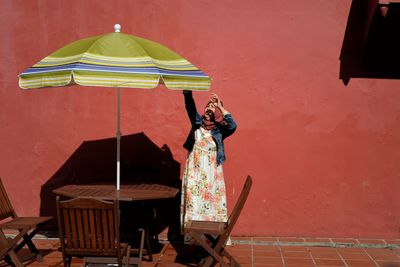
[(209, 111)]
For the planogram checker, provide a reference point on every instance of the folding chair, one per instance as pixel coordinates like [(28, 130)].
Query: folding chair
[(27, 228), (212, 236), (90, 228)]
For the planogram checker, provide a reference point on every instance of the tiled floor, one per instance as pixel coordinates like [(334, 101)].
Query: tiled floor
[(260, 251)]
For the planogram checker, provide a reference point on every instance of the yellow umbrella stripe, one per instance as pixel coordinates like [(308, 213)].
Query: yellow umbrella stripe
[(88, 58), (38, 82), (116, 81)]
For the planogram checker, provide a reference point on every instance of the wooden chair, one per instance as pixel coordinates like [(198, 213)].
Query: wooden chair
[(90, 228), (27, 228), (212, 236)]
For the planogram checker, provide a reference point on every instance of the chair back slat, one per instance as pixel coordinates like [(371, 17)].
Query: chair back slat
[(79, 226), (239, 205), (114, 235), (72, 223), (99, 234), (6, 209), (88, 226), (92, 230), (86, 231)]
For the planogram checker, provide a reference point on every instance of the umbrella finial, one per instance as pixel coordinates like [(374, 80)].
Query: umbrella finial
[(117, 28)]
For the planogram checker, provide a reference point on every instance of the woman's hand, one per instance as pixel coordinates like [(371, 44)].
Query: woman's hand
[(215, 99), (218, 103)]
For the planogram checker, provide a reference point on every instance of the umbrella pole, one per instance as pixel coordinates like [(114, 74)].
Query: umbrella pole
[(118, 138)]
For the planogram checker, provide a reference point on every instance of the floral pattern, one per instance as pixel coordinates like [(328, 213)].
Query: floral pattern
[(203, 186)]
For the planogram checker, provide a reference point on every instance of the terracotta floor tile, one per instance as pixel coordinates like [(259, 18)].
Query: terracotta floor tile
[(240, 252), (385, 256), (267, 260), (260, 253), (355, 256), (265, 248), (297, 265), (266, 265), (299, 262), (319, 250), (329, 262), (294, 248), (388, 264), (239, 247), (296, 254), (242, 259), (325, 255), (350, 250), (360, 263)]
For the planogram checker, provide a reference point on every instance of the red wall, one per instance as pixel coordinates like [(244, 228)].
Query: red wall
[(324, 157)]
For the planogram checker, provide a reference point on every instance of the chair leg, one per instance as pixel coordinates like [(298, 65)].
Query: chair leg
[(67, 261), (15, 259), (27, 240), (32, 247), (209, 249), (127, 256), (148, 243), (8, 248), (232, 260), (207, 262)]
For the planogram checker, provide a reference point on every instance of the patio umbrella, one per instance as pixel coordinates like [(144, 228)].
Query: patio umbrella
[(115, 60)]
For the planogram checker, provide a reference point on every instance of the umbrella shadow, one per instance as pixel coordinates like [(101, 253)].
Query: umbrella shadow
[(142, 161), (370, 45)]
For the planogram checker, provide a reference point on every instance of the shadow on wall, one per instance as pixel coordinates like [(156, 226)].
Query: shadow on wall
[(142, 161), (371, 42)]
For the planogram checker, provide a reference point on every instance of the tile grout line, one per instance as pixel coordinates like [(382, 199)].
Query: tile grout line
[(282, 258), (341, 257), (312, 257), (373, 260)]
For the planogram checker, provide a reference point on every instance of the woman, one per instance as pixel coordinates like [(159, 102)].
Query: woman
[(203, 186)]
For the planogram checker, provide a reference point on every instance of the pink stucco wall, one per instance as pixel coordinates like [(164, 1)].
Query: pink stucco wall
[(324, 157)]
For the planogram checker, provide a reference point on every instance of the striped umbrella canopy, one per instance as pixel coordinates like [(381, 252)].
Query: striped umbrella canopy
[(115, 60)]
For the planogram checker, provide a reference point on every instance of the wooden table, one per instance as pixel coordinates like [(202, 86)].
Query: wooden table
[(132, 192), (126, 193)]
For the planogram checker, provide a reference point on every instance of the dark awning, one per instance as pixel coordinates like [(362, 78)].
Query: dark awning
[(371, 44)]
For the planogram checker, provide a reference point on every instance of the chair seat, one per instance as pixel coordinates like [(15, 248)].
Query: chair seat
[(212, 228), (22, 222)]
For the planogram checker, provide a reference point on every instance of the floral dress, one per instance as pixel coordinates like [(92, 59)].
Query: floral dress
[(203, 186)]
